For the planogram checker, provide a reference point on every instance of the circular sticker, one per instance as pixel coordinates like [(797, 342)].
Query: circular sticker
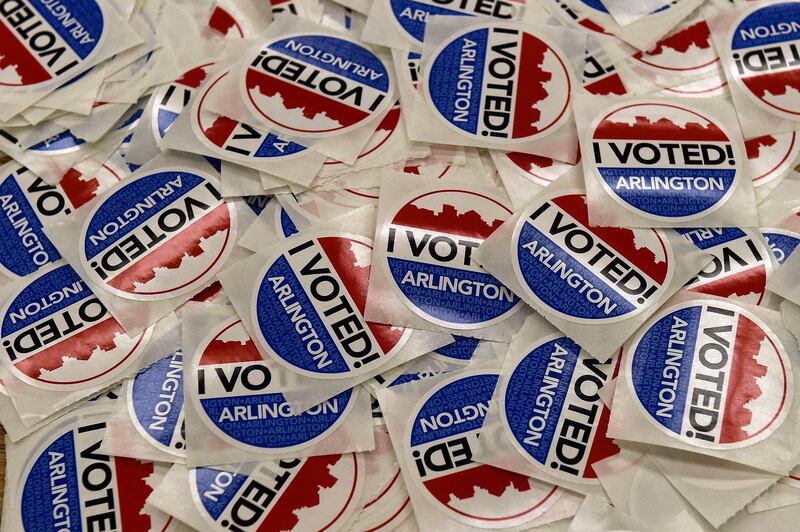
[(316, 85), (59, 144), (429, 243), (479, 88), (222, 21), (686, 51), (740, 264), (308, 309), (37, 46), (316, 493), (771, 156), (541, 170), (763, 46), (664, 161), (155, 405), (158, 236), (58, 336), (709, 87), (242, 404), (445, 426), (710, 374), (235, 140), (412, 15), (588, 274), (169, 100), (782, 242), (68, 484), (551, 408)]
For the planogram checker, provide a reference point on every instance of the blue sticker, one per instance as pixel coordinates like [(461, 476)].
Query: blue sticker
[(412, 15), (477, 86), (461, 350), (664, 161), (155, 401), (679, 367), (553, 411), (428, 246), (158, 236), (242, 402)]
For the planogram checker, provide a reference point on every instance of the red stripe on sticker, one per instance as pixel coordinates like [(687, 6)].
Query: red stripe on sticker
[(132, 476), (97, 339), (294, 97), (14, 56), (170, 254)]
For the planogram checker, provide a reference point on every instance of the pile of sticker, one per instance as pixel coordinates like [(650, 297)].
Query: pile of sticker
[(435, 265)]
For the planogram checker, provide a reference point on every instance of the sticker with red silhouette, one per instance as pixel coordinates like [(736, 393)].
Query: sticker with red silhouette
[(541, 170), (308, 308), (438, 444), (82, 487), (316, 493), (740, 265), (42, 44), (686, 51), (498, 83), (316, 85), (663, 161), (763, 46), (551, 409), (427, 255), (163, 234), (242, 402), (710, 374), (58, 335), (169, 100)]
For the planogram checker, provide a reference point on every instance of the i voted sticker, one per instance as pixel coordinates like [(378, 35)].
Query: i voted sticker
[(316, 85), (663, 161), (169, 101), (429, 243), (308, 309), (316, 493), (241, 401), (438, 445), (782, 242), (155, 405), (740, 265), (236, 140), (551, 409), (766, 65), (771, 156), (158, 236), (37, 46), (58, 144), (588, 274), (499, 83), (69, 484), (710, 374), (412, 15), (58, 335)]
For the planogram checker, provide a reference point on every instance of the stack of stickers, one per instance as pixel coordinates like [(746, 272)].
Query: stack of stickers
[(373, 265)]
